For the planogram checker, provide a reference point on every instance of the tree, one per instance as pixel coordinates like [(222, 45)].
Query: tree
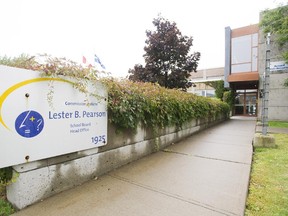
[(219, 88), (276, 22), (167, 58)]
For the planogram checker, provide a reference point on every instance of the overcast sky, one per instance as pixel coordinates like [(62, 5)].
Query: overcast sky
[(115, 29)]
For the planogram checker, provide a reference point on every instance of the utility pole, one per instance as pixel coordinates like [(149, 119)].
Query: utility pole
[(266, 83)]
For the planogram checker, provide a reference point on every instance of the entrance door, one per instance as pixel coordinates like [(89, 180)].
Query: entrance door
[(246, 102)]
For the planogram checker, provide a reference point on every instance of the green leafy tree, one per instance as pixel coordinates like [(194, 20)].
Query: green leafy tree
[(168, 61), (219, 88), (22, 61), (276, 22), (50, 66), (229, 98)]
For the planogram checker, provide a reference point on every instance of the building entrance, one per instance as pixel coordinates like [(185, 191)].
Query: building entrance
[(246, 102)]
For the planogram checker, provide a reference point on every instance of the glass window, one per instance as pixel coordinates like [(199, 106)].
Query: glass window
[(244, 53), (254, 58), (239, 104), (241, 49), (251, 90), (246, 102), (240, 91), (241, 68), (255, 40)]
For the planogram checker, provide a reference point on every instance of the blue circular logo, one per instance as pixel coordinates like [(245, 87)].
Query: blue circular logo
[(29, 124)]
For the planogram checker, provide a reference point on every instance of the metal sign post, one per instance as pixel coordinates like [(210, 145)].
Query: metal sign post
[(266, 82)]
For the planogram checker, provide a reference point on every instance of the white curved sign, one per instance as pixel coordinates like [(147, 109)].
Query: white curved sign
[(43, 117)]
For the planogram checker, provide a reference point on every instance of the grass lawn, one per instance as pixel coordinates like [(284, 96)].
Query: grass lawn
[(279, 124), (5, 208), (268, 190)]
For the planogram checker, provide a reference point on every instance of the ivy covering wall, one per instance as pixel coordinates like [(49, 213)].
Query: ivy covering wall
[(130, 103)]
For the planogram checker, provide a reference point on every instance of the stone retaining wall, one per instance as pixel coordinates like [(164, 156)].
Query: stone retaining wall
[(41, 179)]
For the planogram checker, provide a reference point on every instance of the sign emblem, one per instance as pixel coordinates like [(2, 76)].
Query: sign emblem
[(29, 124)]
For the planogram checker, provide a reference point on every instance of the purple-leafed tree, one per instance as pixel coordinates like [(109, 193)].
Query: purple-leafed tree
[(168, 60)]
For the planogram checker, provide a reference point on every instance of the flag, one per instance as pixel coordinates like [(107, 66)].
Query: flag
[(84, 60), (97, 60)]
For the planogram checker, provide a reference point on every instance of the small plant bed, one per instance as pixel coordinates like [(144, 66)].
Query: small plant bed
[(268, 190)]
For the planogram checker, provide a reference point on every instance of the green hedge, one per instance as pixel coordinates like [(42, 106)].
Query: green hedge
[(130, 103)]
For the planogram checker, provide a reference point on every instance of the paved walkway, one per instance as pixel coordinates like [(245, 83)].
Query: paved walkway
[(206, 174)]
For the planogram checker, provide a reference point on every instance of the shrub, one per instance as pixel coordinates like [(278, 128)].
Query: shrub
[(130, 103), (229, 97), (5, 175)]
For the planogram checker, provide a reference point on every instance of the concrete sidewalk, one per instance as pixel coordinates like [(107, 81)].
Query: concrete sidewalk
[(206, 174)]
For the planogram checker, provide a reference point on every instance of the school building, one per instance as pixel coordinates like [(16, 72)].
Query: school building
[(247, 61)]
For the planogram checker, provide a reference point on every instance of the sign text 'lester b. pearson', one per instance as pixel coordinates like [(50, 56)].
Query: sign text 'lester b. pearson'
[(75, 114)]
